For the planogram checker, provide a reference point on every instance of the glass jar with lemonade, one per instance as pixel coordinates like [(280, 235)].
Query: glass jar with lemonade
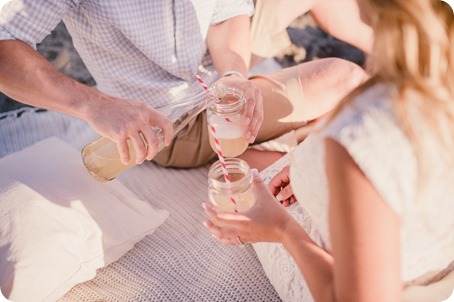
[(232, 196), (225, 115)]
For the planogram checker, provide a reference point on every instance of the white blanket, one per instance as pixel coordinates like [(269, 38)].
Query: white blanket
[(180, 261)]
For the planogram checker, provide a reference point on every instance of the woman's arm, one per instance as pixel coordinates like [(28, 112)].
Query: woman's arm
[(269, 221), (365, 233)]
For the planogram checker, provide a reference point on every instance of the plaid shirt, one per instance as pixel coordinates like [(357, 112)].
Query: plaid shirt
[(146, 50)]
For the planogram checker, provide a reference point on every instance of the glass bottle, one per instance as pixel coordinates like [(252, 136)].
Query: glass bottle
[(225, 119), (101, 157), (236, 195)]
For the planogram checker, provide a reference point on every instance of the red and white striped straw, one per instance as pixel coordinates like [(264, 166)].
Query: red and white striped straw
[(202, 82), (218, 147), (222, 162)]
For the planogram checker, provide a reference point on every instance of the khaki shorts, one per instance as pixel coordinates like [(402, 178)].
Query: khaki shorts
[(282, 101), (268, 35)]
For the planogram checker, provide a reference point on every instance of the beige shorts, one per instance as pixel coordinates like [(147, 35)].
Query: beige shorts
[(268, 34), (282, 101)]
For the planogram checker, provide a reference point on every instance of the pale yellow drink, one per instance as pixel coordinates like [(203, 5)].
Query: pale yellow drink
[(236, 196), (102, 159), (225, 119), (230, 134)]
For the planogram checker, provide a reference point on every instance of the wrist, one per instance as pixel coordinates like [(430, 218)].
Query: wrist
[(231, 73), (289, 231)]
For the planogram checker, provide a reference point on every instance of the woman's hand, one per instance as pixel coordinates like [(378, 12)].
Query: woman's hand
[(280, 187), (253, 112), (266, 221), (123, 120)]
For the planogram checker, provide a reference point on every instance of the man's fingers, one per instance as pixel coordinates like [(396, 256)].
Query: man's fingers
[(140, 147), (165, 124), (151, 142), (123, 150)]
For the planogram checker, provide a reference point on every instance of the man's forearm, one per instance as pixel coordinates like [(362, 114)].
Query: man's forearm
[(29, 78), (229, 45)]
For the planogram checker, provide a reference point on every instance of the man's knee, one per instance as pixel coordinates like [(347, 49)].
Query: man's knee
[(346, 75)]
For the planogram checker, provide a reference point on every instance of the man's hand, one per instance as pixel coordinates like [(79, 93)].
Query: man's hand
[(253, 112), (121, 120)]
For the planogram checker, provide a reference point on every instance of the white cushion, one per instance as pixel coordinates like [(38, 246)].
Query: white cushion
[(58, 225)]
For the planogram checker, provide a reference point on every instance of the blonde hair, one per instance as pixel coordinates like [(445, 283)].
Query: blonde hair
[(412, 52)]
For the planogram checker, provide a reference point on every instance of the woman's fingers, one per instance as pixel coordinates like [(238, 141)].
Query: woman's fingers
[(233, 224), (281, 179), (226, 235), (280, 187), (285, 193)]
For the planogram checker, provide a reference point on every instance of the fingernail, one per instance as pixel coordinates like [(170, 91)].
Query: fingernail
[(247, 120), (254, 172), (279, 197)]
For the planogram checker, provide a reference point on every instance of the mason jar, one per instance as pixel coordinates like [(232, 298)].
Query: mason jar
[(234, 194), (226, 123)]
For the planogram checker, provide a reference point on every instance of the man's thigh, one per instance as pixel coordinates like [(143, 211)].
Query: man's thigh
[(190, 149)]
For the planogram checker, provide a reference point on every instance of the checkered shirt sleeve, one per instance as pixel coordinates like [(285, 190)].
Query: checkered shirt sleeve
[(144, 50)]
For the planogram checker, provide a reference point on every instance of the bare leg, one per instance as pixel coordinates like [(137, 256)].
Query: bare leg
[(269, 24), (341, 19), (296, 95), (259, 159)]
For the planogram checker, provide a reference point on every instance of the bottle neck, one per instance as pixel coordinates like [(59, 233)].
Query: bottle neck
[(188, 115)]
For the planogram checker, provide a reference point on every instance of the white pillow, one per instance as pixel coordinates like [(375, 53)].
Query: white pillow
[(58, 225)]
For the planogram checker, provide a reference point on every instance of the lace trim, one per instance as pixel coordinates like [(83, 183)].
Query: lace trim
[(432, 277)]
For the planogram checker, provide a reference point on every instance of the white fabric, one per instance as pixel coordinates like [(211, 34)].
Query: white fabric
[(58, 225), (180, 261), (145, 50), (279, 266), (369, 132), (440, 291)]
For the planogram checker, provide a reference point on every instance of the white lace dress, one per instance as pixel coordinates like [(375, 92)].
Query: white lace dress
[(370, 133)]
